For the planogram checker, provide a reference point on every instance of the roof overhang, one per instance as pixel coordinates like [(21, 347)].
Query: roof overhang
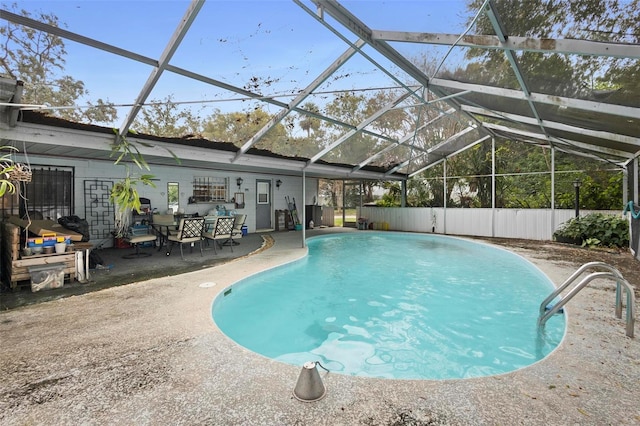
[(96, 144)]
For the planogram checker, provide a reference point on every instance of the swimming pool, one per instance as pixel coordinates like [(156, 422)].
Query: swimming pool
[(395, 305)]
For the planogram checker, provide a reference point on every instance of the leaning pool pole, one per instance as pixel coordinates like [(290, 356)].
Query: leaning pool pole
[(636, 191), (444, 195), (304, 209), (493, 186), (553, 190)]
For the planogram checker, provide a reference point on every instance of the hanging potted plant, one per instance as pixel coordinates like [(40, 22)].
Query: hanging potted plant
[(6, 184), (12, 172), (124, 194), (125, 197)]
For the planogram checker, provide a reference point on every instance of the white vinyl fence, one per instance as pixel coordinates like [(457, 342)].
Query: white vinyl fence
[(530, 224)]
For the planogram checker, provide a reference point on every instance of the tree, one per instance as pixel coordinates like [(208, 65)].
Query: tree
[(239, 127), (348, 108), (37, 59), (391, 196), (309, 123), (524, 170), (565, 75), (164, 118), (315, 130), (331, 192)]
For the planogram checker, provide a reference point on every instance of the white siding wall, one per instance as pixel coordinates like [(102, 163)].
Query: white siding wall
[(105, 170), (531, 224)]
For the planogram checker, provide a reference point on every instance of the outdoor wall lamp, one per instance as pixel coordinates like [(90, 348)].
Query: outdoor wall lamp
[(576, 185), (278, 183), (239, 182)]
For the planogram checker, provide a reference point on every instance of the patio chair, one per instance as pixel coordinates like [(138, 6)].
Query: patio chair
[(237, 228), (164, 219), (189, 231), (219, 229), (164, 225), (136, 241)]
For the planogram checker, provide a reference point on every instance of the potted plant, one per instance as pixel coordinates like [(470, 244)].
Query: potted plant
[(11, 172), (124, 194), (125, 197)]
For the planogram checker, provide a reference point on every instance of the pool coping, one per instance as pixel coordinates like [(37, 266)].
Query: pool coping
[(149, 353)]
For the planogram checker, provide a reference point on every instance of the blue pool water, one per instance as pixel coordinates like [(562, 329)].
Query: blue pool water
[(395, 305)]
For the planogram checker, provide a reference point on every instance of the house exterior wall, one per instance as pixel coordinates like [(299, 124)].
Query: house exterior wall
[(105, 170)]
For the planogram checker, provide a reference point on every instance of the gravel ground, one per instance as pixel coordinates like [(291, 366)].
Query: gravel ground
[(148, 353)]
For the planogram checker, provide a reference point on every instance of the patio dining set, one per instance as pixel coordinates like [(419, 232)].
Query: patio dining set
[(168, 230)]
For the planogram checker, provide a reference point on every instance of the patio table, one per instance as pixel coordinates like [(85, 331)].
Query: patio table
[(163, 230)]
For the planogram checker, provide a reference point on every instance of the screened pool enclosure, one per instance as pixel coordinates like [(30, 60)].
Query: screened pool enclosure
[(373, 90)]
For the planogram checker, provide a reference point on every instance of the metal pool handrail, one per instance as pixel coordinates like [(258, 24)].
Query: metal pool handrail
[(546, 312)]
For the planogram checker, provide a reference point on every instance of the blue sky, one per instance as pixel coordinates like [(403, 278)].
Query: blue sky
[(232, 41)]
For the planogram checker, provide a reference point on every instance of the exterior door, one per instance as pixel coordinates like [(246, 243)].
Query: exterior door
[(352, 199), (263, 204)]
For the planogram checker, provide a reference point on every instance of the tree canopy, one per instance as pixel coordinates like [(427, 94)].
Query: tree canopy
[(572, 75), (38, 59), (165, 118)]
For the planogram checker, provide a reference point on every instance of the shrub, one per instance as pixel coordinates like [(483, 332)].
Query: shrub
[(594, 229)]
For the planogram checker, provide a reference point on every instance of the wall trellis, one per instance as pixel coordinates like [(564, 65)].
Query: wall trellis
[(98, 210)]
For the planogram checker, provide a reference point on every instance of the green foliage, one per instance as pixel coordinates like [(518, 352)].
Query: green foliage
[(173, 195), (126, 150), (563, 75), (331, 191), (37, 58), (239, 127), (124, 194), (351, 109), (309, 123), (391, 196), (165, 118), (523, 180), (591, 242), (595, 229), (6, 165)]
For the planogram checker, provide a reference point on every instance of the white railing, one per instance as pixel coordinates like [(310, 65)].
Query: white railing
[(530, 224)]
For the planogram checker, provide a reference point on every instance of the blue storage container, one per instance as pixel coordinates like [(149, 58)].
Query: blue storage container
[(48, 241)]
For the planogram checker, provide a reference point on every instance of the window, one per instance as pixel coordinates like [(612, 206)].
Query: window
[(173, 196), (49, 195), (210, 189), (263, 193)]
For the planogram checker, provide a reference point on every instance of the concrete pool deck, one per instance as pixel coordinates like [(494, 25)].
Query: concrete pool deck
[(149, 353)]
